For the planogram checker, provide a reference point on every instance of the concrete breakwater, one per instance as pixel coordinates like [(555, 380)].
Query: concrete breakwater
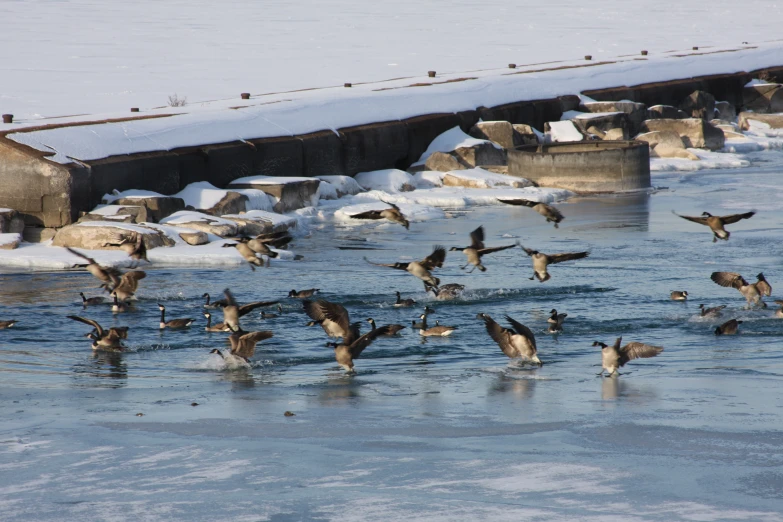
[(50, 194)]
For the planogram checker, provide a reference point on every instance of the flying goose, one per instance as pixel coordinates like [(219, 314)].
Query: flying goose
[(219, 303), (730, 327), (421, 269), (218, 327), (614, 357), (716, 223), (118, 306), (268, 315), (128, 284), (477, 249), (403, 302), (437, 330), (393, 214), (548, 211), (679, 295), (352, 346), (517, 341), (541, 261), (275, 239), (108, 275), (174, 324), (108, 340), (303, 294), (91, 301), (232, 311), (779, 311), (7, 324), (132, 244), (258, 246), (332, 317), (555, 321), (243, 345), (393, 328), (752, 292), (447, 292), (711, 312), (247, 254)]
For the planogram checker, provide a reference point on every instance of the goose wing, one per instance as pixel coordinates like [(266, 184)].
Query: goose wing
[(638, 351), (528, 251), (79, 254), (559, 258), (763, 286), (733, 218), (245, 345), (484, 251), (398, 265), (695, 219), (477, 238), (322, 310), (132, 278), (729, 279), (523, 330), (392, 205), (139, 248), (435, 259), (247, 308), (502, 336), (370, 214), (552, 211), (523, 202), (358, 346), (92, 323)]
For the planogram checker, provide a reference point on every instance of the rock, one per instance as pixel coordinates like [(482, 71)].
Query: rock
[(482, 154), (667, 112), (444, 162), (699, 104), (763, 97), (636, 112), (694, 132), (663, 150), (94, 235), (603, 121), (231, 203), (563, 131), (38, 234), (11, 222), (775, 121), (292, 193), (9, 241), (481, 178), (344, 185), (157, 207), (615, 134), (194, 238), (114, 218), (202, 222), (257, 222), (665, 137), (732, 135), (524, 135), (725, 111), (500, 132), (598, 132)]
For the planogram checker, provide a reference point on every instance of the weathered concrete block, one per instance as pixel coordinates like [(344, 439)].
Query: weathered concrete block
[(467, 119), (480, 178), (444, 162), (764, 97), (478, 155), (11, 222), (663, 150), (372, 147), (545, 110), (725, 111), (278, 156), (231, 203), (292, 193), (323, 154), (773, 120), (156, 207), (569, 102), (615, 135), (699, 104), (202, 222), (38, 234), (95, 235), (524, 135), (194, 238), (226, 162), (667, 137), (603, 122), (500, 132), (10, 240), (118, 213), (636, 112), (694, 132), (157, 172), (667, 112), (598, 132), (422, 130)]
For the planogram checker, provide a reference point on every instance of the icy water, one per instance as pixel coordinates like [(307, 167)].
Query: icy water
[(436, 429)]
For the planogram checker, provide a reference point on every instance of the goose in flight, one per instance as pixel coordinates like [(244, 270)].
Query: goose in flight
[(752, 292), (717, 223), (477, 249), (393, 214), (421, 269), (541, 261), (551, 214), (516, 342), (614, 357)]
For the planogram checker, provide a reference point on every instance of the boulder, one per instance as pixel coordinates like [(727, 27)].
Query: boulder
[(663, 150), (157, 207), (444, 162), (117, 213), (9, 241), (666, 137), (343, 185), (257, 222), (94, 236), (694, 132), (725, 111), (292, 193), (500, 132), (775, 121), (667, 112), (194, 238), (563, 131), (231, 203), (11, 222), (615, 135), (763, 97), (598, 132), (203, 223), (604, 121), (699, 104), (114, 218), (481, 154), (482, 178), (38, 234), (524, 135), (636, 112)]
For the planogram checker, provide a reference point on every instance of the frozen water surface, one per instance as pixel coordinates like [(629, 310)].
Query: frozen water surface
[(437, 429)]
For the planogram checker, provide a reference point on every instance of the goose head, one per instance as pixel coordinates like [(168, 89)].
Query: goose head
[(597, 343)]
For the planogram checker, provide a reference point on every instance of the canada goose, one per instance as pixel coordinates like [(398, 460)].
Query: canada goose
[(219, 327), (247, 254), (447, 292), (353, 345), (716, 223), (109, 340), (243, 344), (92, 301), (267, 315), (541, 261), (132, 244), (751, 292), (678, 295), (548, 211), (555, 321), (711, 312), (730, 327), (517, 341), (393, 214), (275, 239), (7, 324), (437, 330), (303, 294), (421, 269), (174, 323), (219, 303), (232, 311), (108, 275), (129, 283), (403, 302), (614, 357), (477, 249), (332, 317), (423, 317), (118, 306), (393, 328), (258, 246)]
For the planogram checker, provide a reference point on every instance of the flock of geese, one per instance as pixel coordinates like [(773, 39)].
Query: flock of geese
[(515, 340)]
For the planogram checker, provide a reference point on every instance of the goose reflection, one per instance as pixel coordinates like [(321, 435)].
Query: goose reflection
[(108, 368), (521, 388)]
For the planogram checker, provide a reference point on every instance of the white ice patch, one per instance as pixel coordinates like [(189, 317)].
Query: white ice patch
[(485, 179), (387, 180), (707, 160)]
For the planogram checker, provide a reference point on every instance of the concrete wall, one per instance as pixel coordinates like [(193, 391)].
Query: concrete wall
[(585, 167)]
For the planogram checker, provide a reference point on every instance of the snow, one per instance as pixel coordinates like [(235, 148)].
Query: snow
[(428, 179), (342, 184), (268, 180), (562, 131), (388, 180), (486, 179), (708, 160), (201, 195), (10, 238), (261, 215), (451, 140), (257, 199), (189, 216), (413, 212), (570, 115), (131, 194)]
